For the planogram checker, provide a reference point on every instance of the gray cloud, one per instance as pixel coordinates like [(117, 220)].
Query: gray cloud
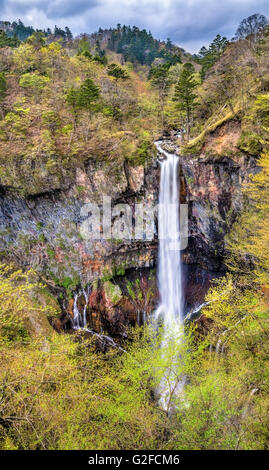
[(189, 23)]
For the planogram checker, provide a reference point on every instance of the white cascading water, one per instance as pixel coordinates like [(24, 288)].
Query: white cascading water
[(170, 309), (80, 321), (169, 264)]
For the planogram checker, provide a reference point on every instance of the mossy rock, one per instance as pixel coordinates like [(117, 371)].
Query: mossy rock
[(112, 292), (250, 142), (36, 321)]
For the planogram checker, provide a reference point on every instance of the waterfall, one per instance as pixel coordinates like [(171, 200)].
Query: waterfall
[(80, 321), (170, 308), (169, 264)]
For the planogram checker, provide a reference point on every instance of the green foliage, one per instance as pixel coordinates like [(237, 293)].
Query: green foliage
[(159, 74), (138, 46), (51, 120), (160, 79), (84, 48), (21, 31), (5, 40), (3, 86), (184, 95), (70, 284), (112, 390), (117, 72), (33, 81), (250, 143), (112, 292), (88, 93), (83, 97), (37, 39), (17, 306), (224, 402), (208, 57)]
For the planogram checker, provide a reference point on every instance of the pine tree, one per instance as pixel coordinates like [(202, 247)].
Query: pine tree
[(88, 94), (208, 57), (117, 72), (69, 35), (83, 97), (184, 96)]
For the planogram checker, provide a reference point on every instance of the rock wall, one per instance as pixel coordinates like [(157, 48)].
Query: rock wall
[(43, 231), (214, 195)]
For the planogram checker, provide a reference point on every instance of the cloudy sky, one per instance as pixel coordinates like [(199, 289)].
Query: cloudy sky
[(189, 23)]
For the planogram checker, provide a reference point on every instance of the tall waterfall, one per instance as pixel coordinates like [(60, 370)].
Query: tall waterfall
[(169, 264), (170, 309)]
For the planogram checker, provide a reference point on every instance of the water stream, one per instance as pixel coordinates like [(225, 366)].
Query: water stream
[(169, 262), (170, 308)]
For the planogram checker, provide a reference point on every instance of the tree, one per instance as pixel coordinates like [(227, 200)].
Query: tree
[(84, 47), (160, 79), (3, 86), (251, 26), (169, 44), (208, 57), (5, 40), (88, 94), (34, 83), (83, 97), (184, 96), (117, 72), (21, 31), (69, 35)]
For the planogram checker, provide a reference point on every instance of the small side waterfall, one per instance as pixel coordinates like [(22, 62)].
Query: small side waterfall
[(80, 321), (169, 264)]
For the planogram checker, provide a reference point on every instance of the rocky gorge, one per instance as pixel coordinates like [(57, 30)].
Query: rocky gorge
[(43, 231)]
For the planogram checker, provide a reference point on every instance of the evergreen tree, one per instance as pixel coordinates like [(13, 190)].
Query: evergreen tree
[(184, 96), (3, 86), (69, 35), (5, 40), (169, 44), (21, 31), (84, 97), (117, 72), (88, 94), (208, 57)]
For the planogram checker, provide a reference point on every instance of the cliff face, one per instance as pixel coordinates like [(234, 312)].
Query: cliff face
[(214, 197), (43, 231)]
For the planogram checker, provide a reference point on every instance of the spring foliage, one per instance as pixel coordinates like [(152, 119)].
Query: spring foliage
[(56, 391)]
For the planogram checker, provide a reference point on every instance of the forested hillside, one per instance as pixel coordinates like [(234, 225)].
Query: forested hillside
[(102, 100)]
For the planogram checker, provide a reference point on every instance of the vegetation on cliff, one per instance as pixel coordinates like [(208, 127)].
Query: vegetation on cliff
[(62, 104), (61, 107)]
